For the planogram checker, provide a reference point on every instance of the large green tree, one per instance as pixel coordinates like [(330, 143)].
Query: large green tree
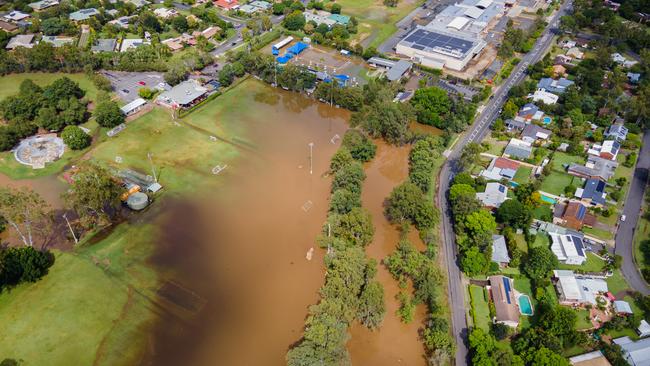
[(108, 114)]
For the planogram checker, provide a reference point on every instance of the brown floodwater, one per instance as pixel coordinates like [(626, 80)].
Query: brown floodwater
[(50, 188), (242, 247), (394, 342)]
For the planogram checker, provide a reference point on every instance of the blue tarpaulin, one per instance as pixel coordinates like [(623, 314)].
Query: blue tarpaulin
[(283, 59), (297, 48)]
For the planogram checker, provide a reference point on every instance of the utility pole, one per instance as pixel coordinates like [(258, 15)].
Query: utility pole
[(153, 170), (311, 153), (76, 241)]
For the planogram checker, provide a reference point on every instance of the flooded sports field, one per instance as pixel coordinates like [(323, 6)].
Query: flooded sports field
[(225, 278)]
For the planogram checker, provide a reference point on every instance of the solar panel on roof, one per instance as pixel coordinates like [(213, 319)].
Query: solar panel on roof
[(418, 47), (506, 285), (581, 212), (502, 189), (577, 242)]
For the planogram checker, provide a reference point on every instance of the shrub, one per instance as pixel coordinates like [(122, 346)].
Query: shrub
[(75, 138)]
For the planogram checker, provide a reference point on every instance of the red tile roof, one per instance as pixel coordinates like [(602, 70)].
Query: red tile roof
[(226, 4), (503, 163)]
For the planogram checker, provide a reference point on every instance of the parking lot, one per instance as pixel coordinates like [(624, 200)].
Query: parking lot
[(127, 84)]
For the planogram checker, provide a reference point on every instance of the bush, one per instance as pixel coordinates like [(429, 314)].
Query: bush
[(75, 138), (146, 93), (108, 114), (360, 146)]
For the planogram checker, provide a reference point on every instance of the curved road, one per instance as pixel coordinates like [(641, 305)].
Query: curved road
[(456, 285), (632, 211)]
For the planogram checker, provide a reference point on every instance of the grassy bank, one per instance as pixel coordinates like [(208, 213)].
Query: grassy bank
[(9, 84)]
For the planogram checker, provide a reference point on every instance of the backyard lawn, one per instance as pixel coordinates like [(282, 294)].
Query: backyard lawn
[(583, 321), (593, 264), (598, 233), (555, 183), (541, 239), (480, 307), (523, 175), (543, 212), (616, 283), (560, 159)]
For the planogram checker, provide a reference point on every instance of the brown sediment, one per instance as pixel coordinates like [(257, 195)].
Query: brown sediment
[(242, 249), (394, 342)]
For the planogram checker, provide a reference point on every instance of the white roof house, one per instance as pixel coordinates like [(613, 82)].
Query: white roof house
[(595, 358), (165, 13), (21, 40), (622, 60), (644, 329), (495, 194), (542, 95), (568, 248), (635, 353), (500, 250), (15, 16), (128, 44), (622, 307), (578, 289), (182, 95)]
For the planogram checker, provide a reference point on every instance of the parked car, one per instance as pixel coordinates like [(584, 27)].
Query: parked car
[(142, 82)]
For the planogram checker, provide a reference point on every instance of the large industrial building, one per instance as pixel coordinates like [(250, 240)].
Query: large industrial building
[(455, 36)]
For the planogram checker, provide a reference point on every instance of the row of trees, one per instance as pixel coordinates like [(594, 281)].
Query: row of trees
[(409, 204), (434, 107), (350, 291)]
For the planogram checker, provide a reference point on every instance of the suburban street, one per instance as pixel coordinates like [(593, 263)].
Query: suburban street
[(237, 39), (632, 211), (477, 131)]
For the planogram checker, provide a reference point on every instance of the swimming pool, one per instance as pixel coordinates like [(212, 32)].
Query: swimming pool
[(525, 307), (547, 120), (548, 199)]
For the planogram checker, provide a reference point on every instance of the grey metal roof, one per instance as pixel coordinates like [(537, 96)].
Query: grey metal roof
[(396, 72), (83, 14), (636, 353), (379, 61), (520, 151), (499, 249), (183, 93), (104, 45)]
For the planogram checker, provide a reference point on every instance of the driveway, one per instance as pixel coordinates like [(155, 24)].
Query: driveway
[(632, 212)]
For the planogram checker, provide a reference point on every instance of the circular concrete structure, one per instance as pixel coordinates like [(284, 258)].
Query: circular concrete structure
[(137, 201), (36, 151)]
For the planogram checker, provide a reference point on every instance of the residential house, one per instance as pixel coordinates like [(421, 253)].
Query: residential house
[(505, 305), (622, 60), (43, 4), (578, 289), (8, 27), (595, 358), (595, 168), (15, 16), (541, 95), (622, 307), (139, 3), (208, 32), (514, 124), (518, 149), (340, 19), (318, 19), (248, 9), (112, 12), (612, 5), (83, 14), (633, 77), (608, 150), (616, 131), (500, 168), (495, 194), (558, 86), (563, 60), (264, 5), (559, 70), (165, 13), (573, 215), (568, 248), (635, 353), (21, 40), (644, 329), (532, 133), (174, 44), (104, 45), (58, 41), (593, 192), (226, 4), (122, 22), (500, 250), (183, 95), (530, 112), (130, 43), (575, 52), (568, 44)]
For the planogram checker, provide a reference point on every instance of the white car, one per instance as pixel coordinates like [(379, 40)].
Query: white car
[(623, 218)]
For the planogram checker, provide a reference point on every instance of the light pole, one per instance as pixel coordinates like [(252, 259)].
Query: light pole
[(153, 170), (311, 154), (70, 227)]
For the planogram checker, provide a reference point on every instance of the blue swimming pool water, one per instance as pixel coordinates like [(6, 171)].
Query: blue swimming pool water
[(525, 306), (547, 120), (548, 200)]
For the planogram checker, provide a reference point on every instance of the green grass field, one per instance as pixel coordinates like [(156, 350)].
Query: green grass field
[(523, 175), (480, 307), (560, 159), (642, 233), (583, 321), (82, 313), (9, 84), (593, 264), (555, 183), (541, 239), (616, 283), (376, 20), (598, 233)]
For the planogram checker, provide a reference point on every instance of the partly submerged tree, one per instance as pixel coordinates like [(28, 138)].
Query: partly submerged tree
[(27, 213)]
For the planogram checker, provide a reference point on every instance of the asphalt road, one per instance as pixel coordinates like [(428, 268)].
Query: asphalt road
[(456, 285), (237, 39), (632, 212)]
